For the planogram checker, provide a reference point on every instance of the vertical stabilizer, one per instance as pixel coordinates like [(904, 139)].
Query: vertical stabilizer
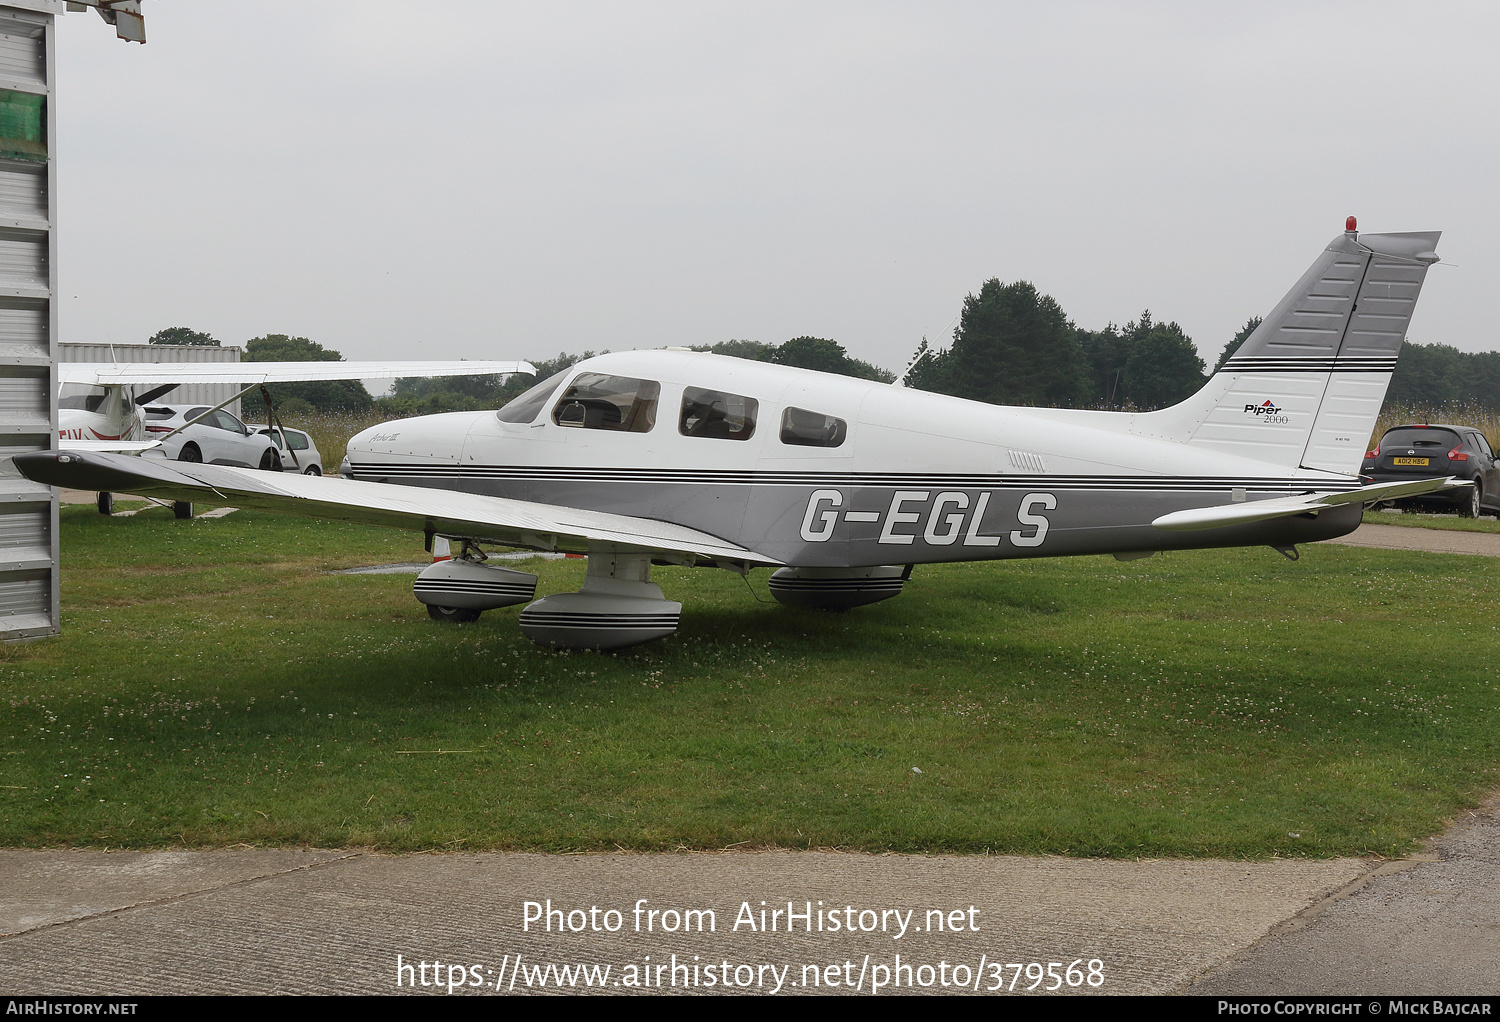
[(1305, 388)]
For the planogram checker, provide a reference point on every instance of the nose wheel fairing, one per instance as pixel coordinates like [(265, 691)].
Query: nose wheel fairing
[(468, 585)]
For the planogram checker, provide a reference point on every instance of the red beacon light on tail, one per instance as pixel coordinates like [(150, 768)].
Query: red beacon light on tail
[(1351, 225)]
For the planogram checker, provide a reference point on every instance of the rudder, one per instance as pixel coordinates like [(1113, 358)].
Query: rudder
[(1306, 387)]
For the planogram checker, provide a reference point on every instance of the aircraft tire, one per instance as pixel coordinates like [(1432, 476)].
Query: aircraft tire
[(453, 615), (182, 508), (106, 503)]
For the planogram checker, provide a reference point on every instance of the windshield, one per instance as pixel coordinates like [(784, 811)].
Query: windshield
[(81, 395), (525, 407)]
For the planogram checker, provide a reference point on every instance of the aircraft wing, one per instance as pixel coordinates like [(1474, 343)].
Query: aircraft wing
[(1285, 507), (111, 446), (245, 373), (416, 508)]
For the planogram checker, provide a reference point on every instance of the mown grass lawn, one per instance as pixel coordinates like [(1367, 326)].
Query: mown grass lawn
[(1442, 522), (214, 685)]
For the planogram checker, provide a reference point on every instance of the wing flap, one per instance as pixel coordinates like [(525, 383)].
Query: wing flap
[(1284, 507), (416, 508)]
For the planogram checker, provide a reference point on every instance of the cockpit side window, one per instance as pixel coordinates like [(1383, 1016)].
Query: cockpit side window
[(716, 415), (618, 403), (802, 428), (525, 406)]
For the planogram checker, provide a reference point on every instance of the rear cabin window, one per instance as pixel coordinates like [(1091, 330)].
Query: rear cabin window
[(619, 403), (802, 428), (716, 415), (528, 404)]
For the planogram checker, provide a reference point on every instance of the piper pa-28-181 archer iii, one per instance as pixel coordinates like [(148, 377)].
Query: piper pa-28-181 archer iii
[(842, 485)]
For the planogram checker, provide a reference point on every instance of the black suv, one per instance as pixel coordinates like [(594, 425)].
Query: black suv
[(1430, 450)]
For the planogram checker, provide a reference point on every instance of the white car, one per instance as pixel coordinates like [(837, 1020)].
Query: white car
[(217, 439), (307, 460)]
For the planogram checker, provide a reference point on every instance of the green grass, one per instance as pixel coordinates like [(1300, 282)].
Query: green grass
[(1444, 523), (214, 686)]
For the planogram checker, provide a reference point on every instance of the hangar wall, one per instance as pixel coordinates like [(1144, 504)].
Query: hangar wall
[(28, 316)]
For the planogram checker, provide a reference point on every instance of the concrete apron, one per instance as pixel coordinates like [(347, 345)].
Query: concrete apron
[(335, 922)]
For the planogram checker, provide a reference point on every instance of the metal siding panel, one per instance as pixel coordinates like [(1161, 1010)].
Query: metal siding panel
[(25, 532), (25, 602), (23, 257), (23, 328), (23, 395), (23, 190), (22, 48)]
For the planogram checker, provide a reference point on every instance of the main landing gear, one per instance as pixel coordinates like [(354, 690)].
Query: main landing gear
[(619, 606)]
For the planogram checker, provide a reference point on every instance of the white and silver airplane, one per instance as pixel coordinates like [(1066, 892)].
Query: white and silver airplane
[(842, 485), (98, 408)]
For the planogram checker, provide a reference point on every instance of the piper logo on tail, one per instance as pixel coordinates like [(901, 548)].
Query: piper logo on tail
[(1268, 412)]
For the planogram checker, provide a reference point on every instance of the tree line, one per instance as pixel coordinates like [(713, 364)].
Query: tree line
[(289, 398), (1013, 346), (465, 393)]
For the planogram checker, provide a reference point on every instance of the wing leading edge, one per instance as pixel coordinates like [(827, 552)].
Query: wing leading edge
[(243, 373), (415, 508)]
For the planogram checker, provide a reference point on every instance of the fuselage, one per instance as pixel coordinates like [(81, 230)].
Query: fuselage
[(815, 469)]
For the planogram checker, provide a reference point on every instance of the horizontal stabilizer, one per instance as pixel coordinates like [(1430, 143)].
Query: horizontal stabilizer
[(246, 373), (472, 516), (1284, 507)]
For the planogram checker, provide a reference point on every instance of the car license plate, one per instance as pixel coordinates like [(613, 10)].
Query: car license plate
[(1408, 461)]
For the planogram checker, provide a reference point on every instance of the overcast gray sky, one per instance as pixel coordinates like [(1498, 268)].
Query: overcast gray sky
[(496, 180)]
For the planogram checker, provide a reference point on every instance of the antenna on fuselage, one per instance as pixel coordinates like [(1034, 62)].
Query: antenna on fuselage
[(922, 352)]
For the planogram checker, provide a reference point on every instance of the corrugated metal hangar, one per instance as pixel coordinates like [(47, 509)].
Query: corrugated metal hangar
[(189, 393), (28, 318), (28, 314)]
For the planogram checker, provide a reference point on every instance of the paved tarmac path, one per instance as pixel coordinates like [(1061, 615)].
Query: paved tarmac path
[(1428, 925), (1410, 537), (263, 921)]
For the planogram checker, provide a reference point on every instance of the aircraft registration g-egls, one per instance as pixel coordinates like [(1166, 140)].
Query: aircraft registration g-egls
[(842, 485)]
